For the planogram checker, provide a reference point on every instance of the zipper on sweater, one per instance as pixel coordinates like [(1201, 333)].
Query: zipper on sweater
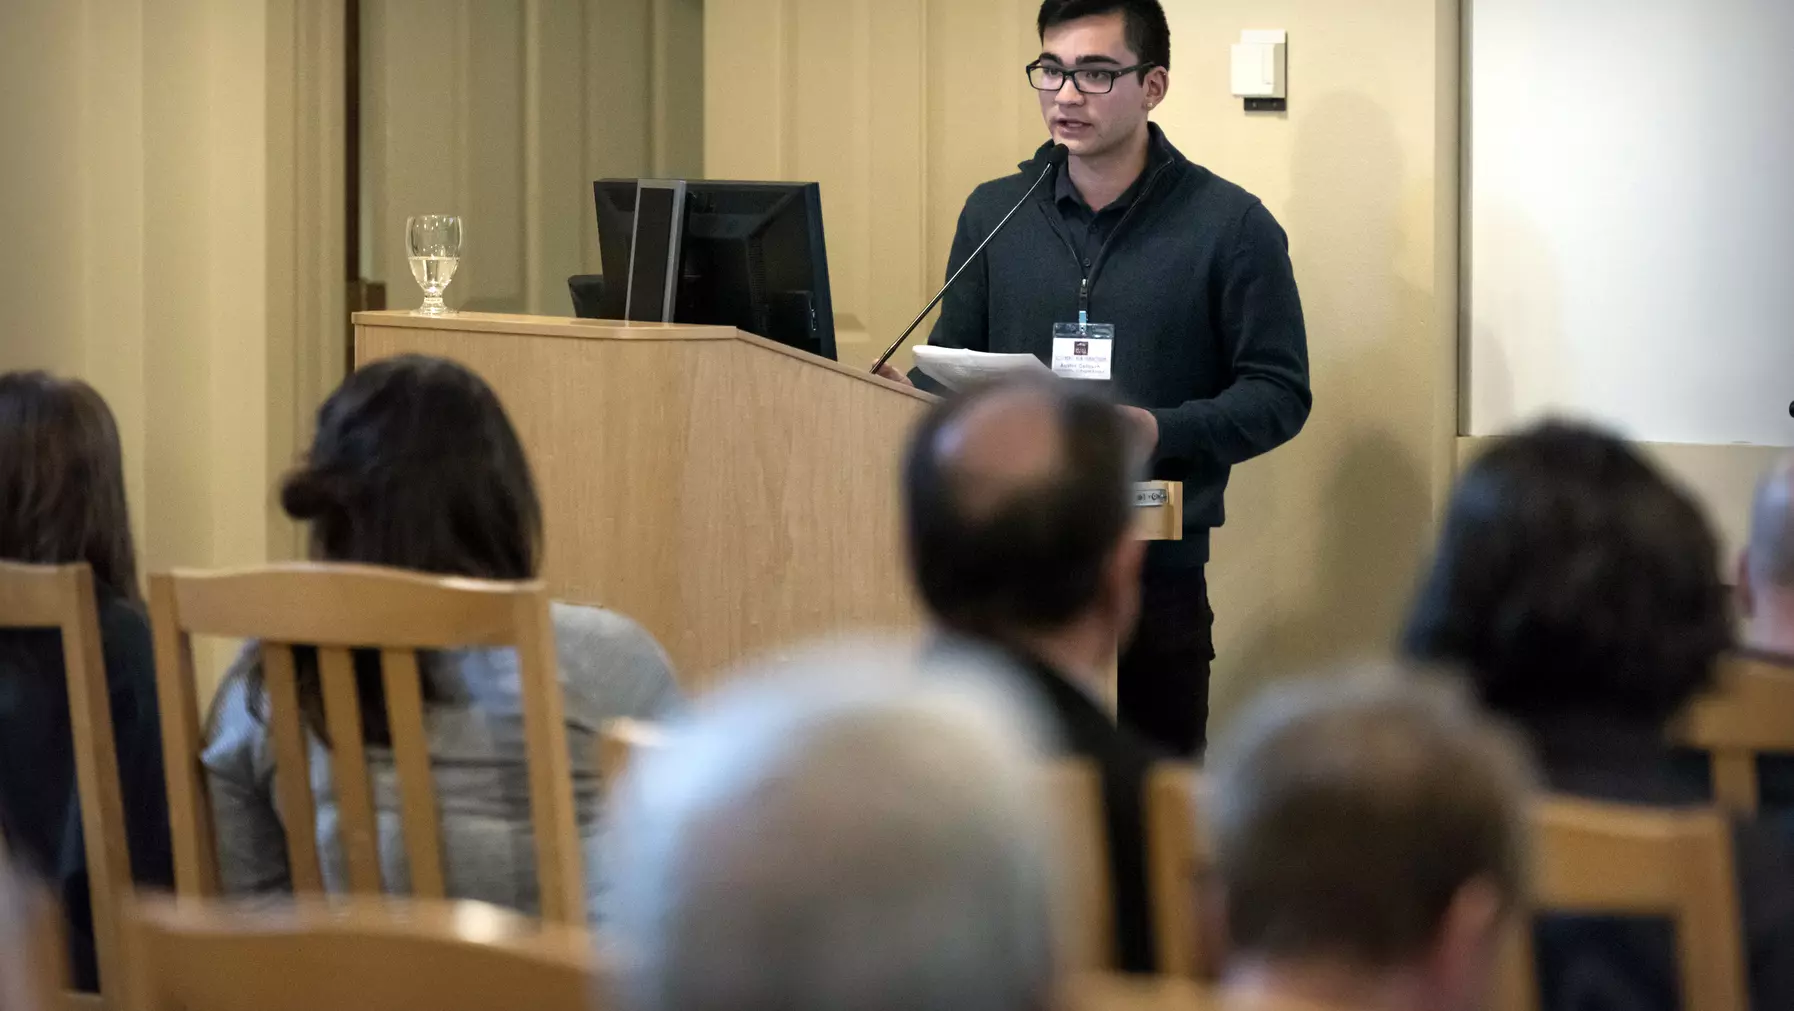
[(1089, 273)]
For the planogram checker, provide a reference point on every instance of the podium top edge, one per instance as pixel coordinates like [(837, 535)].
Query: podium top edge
[(546, 326)]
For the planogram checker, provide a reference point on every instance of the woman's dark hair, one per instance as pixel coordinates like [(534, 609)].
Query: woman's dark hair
[(62, 482), (414, 465), (1572, 576)]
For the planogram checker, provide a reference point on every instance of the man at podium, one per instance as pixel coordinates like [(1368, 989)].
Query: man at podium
[(1140, 270)]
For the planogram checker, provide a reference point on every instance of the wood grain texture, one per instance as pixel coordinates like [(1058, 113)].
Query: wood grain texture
[(292, 769), (417, 787), (1749, 710), (1606, 858), (733, 496), (177, 695), (363, 955), (337, 608), (1177, 865), (1085, 901), (62, 598), (360, 833)]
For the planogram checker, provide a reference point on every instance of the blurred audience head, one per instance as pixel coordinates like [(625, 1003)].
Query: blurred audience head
[(62, 482), (1017, 500), (841, 832), (415, 466), (1370, 838), (1571, 576), (1766, 570)]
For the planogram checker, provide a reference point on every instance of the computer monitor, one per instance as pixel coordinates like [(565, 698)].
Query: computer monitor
[(752, 257)]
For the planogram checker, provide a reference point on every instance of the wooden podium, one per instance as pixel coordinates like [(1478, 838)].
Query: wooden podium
[(733, 495)]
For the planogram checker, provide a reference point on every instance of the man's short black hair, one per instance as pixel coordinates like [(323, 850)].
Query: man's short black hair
[(1148, 33), (1032, 558), (1572, 576)]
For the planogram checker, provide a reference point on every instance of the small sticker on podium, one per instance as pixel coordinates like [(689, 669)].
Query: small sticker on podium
[(1151, 498)]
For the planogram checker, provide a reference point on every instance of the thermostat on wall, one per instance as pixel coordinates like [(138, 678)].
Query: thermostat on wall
[(1261, 70)]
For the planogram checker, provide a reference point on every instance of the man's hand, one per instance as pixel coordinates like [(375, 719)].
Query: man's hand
[(1145, 424), (889, 371)]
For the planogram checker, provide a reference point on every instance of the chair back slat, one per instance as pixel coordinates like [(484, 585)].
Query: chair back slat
[(62, 598), (349, 770), (292, 768), (558, 866), (177, 696), (360, 955), (1085, 906), (1177, 862), (1608, 859), (1750, 710), (417, 786), (339, 608)]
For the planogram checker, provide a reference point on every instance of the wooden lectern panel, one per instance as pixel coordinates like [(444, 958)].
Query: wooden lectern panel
[(731, 494)]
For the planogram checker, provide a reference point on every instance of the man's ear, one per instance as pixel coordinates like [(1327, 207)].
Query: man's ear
[(1157, 86), (1466, 950)]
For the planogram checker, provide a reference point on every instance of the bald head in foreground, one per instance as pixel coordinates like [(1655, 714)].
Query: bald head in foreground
[(1766, 571), (842, 835), (1369, 838), (1018, 504)]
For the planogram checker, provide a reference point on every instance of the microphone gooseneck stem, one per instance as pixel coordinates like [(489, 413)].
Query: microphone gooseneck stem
[(1052, 163)]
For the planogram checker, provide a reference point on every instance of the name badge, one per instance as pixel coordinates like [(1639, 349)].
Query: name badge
[(1084, 351)]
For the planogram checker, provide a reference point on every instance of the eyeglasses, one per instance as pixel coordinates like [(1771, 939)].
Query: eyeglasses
[(1088, 80)]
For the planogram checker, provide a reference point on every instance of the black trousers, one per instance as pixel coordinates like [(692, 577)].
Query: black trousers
[(1162, 680)]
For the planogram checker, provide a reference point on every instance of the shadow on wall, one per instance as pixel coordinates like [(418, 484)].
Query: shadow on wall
[(1328, 533)]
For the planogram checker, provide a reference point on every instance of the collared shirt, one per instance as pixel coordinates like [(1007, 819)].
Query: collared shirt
[(1089, 229)]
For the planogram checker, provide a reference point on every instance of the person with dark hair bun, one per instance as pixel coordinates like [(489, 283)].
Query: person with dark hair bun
[(416, 466), (62, 501), (1579, 592)]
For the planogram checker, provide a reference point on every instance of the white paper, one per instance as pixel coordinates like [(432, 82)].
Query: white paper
[(957, 367)]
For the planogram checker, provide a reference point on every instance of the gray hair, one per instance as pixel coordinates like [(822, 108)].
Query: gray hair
[(846, 831), (1770, 555)]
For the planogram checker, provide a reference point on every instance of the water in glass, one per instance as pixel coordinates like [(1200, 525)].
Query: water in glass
[(433, 245)]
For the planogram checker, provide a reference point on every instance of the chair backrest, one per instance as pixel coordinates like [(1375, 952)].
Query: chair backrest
[(33, 955), (1128, 992), (62, 597), (1750, 710), (337, 609), (619, 741), (1084, 907), (1178, 865), (366, 955), (1608, 859)]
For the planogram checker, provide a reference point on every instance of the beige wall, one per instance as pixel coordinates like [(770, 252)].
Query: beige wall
[(166, 201), (900, 106), (504, 113)]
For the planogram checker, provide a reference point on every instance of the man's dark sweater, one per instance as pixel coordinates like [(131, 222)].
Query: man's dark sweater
[(1194, 276)]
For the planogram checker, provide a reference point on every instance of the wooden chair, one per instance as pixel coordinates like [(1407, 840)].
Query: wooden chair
[(33, 951), (1750, 710), (62, 597), (1178, 862), (619, 741), (1084, 908), (1122, 992), (1597, 858), (365, 955), (339, 608)]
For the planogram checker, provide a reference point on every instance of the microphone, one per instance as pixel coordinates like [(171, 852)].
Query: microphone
[(1054, 159)]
